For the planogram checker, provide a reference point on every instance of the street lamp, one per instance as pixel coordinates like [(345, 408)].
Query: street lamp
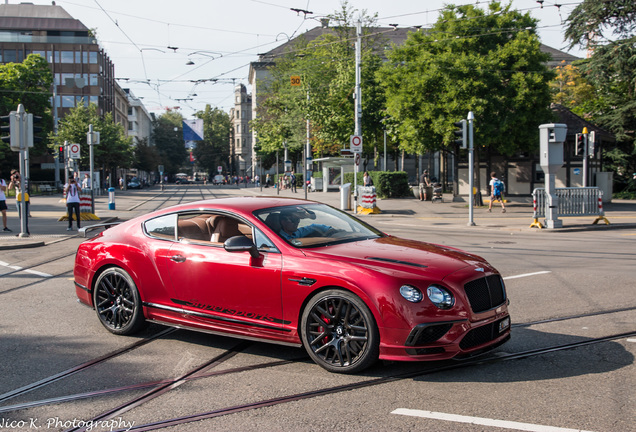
[(212, 54)]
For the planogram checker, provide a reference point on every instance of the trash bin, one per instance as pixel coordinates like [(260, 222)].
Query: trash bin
[(345, 196), (111, 198)]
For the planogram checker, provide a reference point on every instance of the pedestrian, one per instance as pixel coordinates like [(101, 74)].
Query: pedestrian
[(15, 184), (71, 193), (366, 179), (293, 182), (121, 183), (86, 182), (497, 188), (425, 182), (3, 204)]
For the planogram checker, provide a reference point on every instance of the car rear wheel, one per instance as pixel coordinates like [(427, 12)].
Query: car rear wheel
[(339, 332), (117, 302)]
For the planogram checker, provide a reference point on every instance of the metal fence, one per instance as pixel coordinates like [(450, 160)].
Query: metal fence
[(581, 201)]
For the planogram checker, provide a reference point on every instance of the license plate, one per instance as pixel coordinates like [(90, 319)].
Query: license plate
[(504, 324)]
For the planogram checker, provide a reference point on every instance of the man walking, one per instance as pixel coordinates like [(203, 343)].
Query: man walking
[(497, 188), (425, 182), (72, 192)]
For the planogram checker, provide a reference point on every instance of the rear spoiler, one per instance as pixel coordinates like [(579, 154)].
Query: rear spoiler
[(85, 230)]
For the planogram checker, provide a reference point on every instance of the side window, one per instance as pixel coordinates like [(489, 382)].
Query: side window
[(162, 227), (262, 242), (195, 227)]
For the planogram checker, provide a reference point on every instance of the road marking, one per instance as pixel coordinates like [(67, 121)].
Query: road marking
[(482, 421), (18, 268), (527, 274)]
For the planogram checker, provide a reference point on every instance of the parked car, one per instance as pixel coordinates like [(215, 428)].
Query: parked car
[(134, 184), (293, 272)]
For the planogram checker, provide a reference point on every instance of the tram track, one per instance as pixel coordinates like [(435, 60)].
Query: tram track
[(354, 386), (198, 372)]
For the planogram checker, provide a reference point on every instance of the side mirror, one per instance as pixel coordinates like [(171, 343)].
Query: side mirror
[(241, 244)]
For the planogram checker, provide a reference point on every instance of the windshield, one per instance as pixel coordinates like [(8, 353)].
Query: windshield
[(315, 225)]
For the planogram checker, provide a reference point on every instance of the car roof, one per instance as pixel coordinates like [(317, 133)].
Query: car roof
[(244, 205)]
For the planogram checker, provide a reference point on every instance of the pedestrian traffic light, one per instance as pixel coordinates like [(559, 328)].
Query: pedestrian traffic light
[(12, 127), (461, 133), (60, 154), (579, 145), (33, 130)]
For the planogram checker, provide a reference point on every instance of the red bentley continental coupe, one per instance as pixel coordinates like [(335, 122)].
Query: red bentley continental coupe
[(293, 272)]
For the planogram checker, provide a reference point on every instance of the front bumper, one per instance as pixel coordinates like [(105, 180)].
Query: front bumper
[(446, 340)]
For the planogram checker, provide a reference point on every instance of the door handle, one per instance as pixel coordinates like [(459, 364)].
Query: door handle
[(178, 258)]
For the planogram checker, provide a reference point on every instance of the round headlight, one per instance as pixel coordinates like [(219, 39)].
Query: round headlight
[(411, 294), (440, 297)]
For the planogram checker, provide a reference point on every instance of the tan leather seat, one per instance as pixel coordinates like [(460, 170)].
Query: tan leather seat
[(224, 228)]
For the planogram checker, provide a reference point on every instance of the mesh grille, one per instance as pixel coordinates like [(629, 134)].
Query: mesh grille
[(485, 293), (423, 335), (480, 335)]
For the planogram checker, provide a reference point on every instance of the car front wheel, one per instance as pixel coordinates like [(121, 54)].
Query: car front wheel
[(117, 302), (339, 332)]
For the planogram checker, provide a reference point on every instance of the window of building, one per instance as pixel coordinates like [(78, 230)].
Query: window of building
[(68, 101), (10, 56), (94, 100), (92, 57), (68, 57), (93, 79)]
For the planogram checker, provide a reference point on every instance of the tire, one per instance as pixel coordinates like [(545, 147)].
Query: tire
[(339, 332), (117, 302)]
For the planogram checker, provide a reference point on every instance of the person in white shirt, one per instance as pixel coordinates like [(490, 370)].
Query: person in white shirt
[(72, 195), (3, 204), (86, 182)]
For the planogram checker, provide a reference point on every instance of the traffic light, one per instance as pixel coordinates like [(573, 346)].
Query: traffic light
[(60, 154), (579, 145), (33, 130), (12, 126), (461, 133)]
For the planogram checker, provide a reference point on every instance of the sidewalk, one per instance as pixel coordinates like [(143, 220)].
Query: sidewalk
[(45, 228)]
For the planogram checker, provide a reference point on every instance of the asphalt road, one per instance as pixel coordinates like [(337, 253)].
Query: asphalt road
[(568, 290)]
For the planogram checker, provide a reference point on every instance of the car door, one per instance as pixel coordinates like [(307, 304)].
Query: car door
[(229, 291)]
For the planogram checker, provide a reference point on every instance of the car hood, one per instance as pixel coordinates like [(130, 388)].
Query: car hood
[(394, 254)]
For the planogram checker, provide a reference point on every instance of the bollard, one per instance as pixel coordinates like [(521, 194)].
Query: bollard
[(111, 198), (345, 197)]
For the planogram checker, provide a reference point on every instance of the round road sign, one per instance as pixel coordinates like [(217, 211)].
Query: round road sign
[(74, 151)]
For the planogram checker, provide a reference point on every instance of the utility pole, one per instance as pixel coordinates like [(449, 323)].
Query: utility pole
[(471, 169), (358, 112)]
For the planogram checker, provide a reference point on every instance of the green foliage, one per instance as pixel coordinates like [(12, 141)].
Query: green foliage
[(115, 148), (607, 30), (388, 184), (214, 150), (146, 157), (326, 66), (168, 138), (488, 62), (27, 83)]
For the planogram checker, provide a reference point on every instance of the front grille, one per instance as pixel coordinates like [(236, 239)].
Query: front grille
[(485, 293), (481, 335), (427, 333)]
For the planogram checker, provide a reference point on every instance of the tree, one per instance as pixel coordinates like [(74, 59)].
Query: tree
[(214, 150), (326, 66), (146, 157), (572, 90), (27, 83), (114, 149), (607, 30), (168, 138), (488, 62)]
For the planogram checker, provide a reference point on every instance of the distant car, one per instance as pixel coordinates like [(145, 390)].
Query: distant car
[(182, 180), (293, 272), (134, 184)]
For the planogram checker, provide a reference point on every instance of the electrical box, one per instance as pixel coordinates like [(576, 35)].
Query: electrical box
[(551, 138)]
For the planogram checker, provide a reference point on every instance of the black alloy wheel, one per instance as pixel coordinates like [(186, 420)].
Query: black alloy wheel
[(339, 332), (117, 302)]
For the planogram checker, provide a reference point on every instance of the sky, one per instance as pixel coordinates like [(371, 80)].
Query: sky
[(150, 42)]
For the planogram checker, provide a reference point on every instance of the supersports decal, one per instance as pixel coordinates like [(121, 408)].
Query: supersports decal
[(232, 312)]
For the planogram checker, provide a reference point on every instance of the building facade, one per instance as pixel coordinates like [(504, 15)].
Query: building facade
[(241, 149), (82, 72)]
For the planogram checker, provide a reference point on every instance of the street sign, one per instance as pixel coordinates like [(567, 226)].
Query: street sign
[(357, 159), (219, 169), (74, 151), (160, 168), (355, 143), (295, 80)]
